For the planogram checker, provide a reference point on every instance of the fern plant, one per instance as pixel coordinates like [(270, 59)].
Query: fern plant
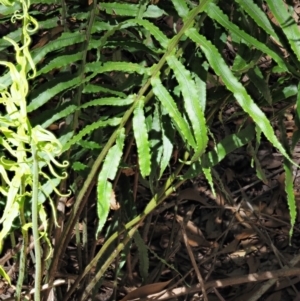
[(110, 77), (27, 151)]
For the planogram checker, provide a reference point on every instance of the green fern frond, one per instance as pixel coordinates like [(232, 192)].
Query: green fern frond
[(142, 139)]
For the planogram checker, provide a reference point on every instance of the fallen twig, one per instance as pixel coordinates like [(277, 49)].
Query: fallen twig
[(179, 291)]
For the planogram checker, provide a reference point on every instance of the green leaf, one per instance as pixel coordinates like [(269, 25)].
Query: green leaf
[(181, 7), (253, 153), (260, 18), (141, 138), (49, 23), (285, 92), (8, 10), (153, 123), (287, 24), (192, 104), (154, 11), (47, 189), (221, 150), (42, 1), (15, 36), (154, 30), (109, 101), (142, 6), (66, 39), (63, 113), (89, 128), (59, 62), (289, 189), (201, 91), (134, 46), (207, 172), (215, 13), (11, 202), (143, 255), (89, 144), (90, 88), (99, 26), (99, 67), (257, 78), (221, 69), (77, 166), (130, 10), (50, 89), (8, 218), (168, 146), (296, 134), (108, 172), (169, 104), (4, 275)]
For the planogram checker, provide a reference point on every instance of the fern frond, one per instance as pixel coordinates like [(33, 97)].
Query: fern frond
[(220, 67), (89, 128), (142, 139), (108, 172), (216, 13), (99, 67), (52, 88), (168, 102), (192, 104), (131, 10)]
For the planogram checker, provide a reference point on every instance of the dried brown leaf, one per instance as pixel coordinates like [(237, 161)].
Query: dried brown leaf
[(253, 264), (194, 234), (146, 290), (48, 36), (230, 248), (192, 194), (245, 234), (114, 205)]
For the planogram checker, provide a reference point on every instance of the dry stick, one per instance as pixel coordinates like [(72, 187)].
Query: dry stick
[(271, 282), (10, 254), (180, 291), (200, 279), (218, 294), (43, 288)]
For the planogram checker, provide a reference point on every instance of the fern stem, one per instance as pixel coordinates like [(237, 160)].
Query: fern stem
[(83, 62), (35, 225), (22, 262)]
